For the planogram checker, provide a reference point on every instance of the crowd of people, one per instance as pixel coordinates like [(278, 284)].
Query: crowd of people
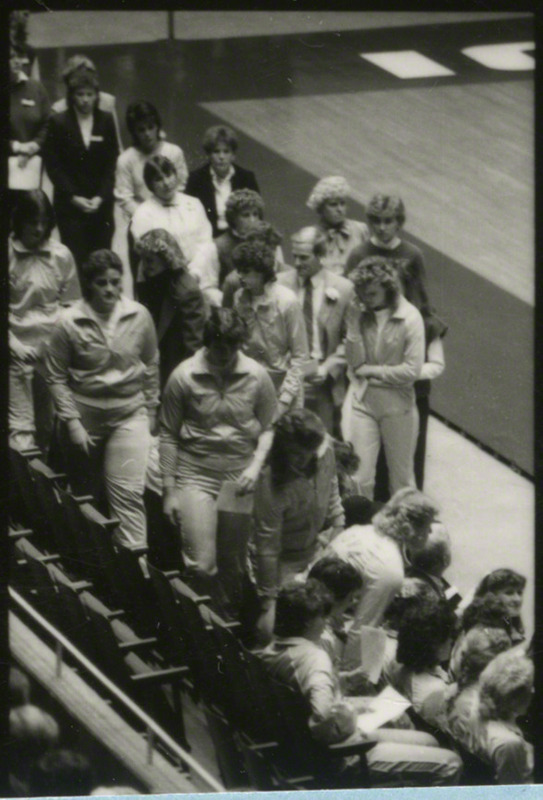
[(306, 387)]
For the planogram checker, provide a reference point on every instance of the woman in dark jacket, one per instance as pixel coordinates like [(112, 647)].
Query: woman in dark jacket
[(80, 154), (172, 297)]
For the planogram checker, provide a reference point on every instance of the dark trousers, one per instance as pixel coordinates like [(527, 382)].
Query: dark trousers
[(84, 233)]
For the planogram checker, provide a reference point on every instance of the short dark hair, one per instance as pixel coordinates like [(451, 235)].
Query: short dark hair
[(488, 610), (257, 256), (219, 134), (141, 111), (435, 557), (243, 200), (62, 772), (97, 264), (500, 579), (386, 204), (339, 577), (155, 168), (30, 205), (480, 646), (225, 325), (298, 604), (423, 628)]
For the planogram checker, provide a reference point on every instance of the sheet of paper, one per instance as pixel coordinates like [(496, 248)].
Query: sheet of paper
[(27, 177), (232, 502), (388, 705)]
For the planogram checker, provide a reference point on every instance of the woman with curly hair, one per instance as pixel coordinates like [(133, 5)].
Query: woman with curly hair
[(379, 551), (173, 299), (277, 333), (213, 262), (328, 199), (385, 353), (214, 182), (425, 635), (508, 587), (296, 507)]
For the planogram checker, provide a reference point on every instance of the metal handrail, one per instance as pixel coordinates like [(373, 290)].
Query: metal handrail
[(153, 730)]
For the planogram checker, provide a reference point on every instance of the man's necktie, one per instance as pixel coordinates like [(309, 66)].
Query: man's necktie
[(308, 312)]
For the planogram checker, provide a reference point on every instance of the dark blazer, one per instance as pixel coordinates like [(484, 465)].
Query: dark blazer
[(177, 307), (200, 185), (74, 169)]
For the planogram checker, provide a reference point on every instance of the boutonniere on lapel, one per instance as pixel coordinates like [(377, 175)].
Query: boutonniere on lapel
[(331, 295)]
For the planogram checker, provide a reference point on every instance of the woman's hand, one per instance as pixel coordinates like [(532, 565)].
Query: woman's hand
[(79, 436), (95, 203), (248, 478), (83, 204), (171, 505)]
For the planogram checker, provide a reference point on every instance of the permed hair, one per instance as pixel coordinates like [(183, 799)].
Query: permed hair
[(80, 73), (404, 516), (224, 325), (157, 167), (480, 646), (219, 134), (329, 188), (339, 577), (424, 627), (264, 232), (313, 236), (508, 679), (161, 243), (243, 200), (142, 111), (298, 604), (488, 610), (255, 255), (385, 204), (97, 264), (435, 557), (299, 427), (500, 579), (380, 270), (28, 207)]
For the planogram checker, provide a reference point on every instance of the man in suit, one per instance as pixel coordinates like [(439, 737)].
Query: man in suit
[(325, 298), (213, 183)]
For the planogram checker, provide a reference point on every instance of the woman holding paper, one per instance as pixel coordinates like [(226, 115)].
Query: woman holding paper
[(28, 117), (80, 153), (215, 407)]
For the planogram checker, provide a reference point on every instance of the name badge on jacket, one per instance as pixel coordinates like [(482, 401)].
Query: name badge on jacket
[(97, 138), (25, 101)]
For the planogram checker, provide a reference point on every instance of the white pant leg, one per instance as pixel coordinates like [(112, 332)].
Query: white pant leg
[(21, 418), (366, 440), (199, 528), (399, 434), (125, 464)]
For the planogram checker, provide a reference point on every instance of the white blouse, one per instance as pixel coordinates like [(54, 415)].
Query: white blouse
[(130, 188)]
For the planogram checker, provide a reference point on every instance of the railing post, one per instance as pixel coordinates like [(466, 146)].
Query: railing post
[(58, 663), (150, 744)]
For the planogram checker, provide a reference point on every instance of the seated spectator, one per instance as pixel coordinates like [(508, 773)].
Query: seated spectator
[(380, 550), (385, 353), (80, 152), (481, 645), (173, 299), (295, 656), (213, 261), (296, 505), (425, 635), (216, 407), (325, 299), (432, 560), (328, 199), (488, 611), (42, 276), (412, 591), (213, 182), (148, 139), (277, 338), (508, 586), (168, 208), (62, 773), (102, 369), (19, 688), (344, 584), (32, 732)]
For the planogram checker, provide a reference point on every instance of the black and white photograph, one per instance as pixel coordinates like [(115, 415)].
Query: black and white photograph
[(270, 409)]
